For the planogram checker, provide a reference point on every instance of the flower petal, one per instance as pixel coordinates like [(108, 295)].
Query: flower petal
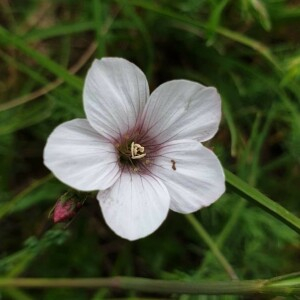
[(182, 109), (192, 174), (115, 93), (80, 157), (135, 205)]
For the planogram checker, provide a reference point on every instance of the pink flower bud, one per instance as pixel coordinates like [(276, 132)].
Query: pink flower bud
[(64, 211)]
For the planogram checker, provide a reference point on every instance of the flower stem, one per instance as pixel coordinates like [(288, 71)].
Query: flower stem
[(221, 238), (246, 287), (212, 245)]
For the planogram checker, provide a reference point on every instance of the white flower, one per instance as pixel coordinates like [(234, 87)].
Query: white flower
[(142, 152)]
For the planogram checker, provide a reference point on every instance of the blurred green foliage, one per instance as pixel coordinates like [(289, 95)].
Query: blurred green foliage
[(248, 49)]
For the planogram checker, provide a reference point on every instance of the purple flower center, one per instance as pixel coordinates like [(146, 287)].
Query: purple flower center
[(136, 151)]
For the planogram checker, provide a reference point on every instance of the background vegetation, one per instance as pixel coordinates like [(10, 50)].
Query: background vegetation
[(248, 49)]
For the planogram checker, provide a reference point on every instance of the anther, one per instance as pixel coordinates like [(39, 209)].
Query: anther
[(137, 151)]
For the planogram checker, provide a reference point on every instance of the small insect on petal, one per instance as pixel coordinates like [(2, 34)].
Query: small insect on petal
[(173, 164)]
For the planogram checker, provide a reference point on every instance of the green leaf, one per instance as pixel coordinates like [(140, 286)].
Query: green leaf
[(262, 14), (256, 197), (59, 30), (7, 38), (292, 70), (25, 116), (47, 192), (214, 21), (235, 36), (9, 206)]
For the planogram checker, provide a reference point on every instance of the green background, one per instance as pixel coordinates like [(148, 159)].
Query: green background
[(247, 49)]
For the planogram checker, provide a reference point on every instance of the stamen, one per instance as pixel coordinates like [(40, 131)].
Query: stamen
[(137, 151)]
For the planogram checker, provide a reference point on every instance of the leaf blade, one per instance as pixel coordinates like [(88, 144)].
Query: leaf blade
[(255, 196)]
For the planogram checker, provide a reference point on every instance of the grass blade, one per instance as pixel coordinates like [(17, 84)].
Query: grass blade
[(235, 36), (253, 195), (7, 38)]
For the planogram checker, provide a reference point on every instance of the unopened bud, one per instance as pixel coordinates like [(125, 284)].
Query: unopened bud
[(66, 208), (64, 211)]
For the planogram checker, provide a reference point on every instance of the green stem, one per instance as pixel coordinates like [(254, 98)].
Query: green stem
[(212, 245), (220, 240), (246, 287)]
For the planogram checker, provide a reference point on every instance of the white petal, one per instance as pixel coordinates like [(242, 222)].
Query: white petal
[(80, 157), (135, 205), (115, 93), (192, 174), (182, 109)]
